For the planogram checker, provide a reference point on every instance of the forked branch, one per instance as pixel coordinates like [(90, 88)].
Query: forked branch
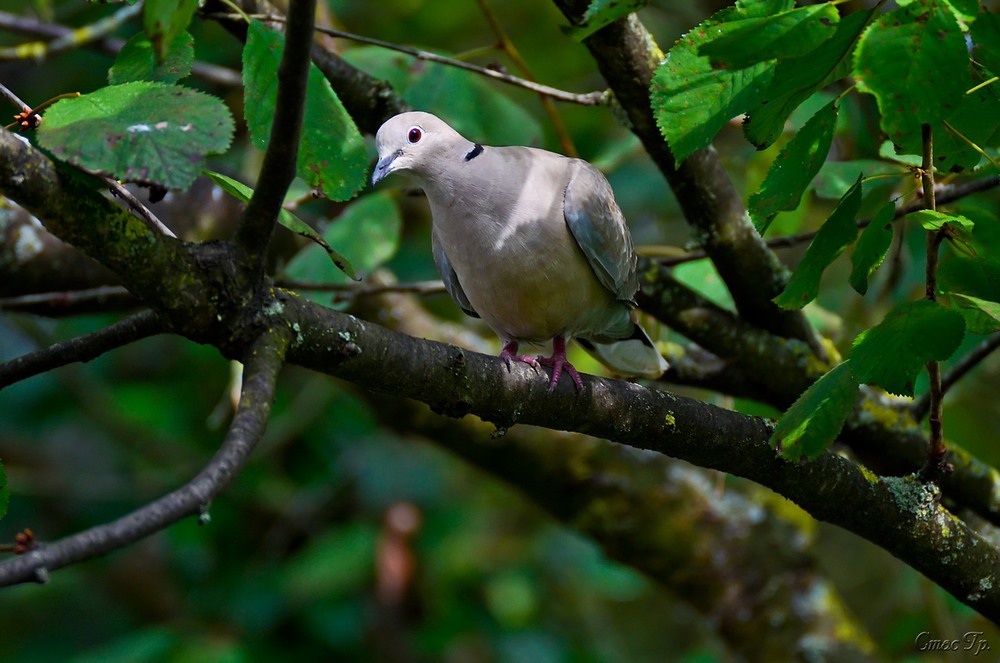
[(262, 365)]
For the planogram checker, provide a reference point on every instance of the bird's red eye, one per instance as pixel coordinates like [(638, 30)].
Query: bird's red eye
[(414, 135)]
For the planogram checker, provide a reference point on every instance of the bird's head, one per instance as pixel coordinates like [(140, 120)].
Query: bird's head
[(410, 142)]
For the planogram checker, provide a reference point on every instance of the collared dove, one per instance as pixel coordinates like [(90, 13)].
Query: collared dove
[(530, 241)]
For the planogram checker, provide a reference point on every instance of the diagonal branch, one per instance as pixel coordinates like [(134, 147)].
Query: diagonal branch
[(900, 514), (83, 348), (279, 168), (653, 513), (263, 363)]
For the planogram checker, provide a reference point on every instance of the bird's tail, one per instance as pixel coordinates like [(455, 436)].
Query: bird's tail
[(633, 355)]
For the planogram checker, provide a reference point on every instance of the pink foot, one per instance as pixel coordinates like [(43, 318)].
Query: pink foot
[(509, 354), (559, 362)]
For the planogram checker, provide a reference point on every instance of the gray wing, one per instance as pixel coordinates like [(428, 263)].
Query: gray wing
[(599, 227), (449, 277)]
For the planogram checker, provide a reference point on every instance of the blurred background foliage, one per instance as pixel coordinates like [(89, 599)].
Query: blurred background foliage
[(297, 559)]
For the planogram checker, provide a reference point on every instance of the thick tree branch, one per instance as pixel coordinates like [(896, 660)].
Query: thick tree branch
[(780, 369), (263, 363), (902, 515), (279, 168), (657, 515), (83, 348), (948, 193)]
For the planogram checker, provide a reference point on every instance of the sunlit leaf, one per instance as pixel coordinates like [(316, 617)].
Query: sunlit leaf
[(137, 62), (890, 354), (692, 100), (934, 220), (332, 152), (872, 247), (140, 131), (242, 192), (794, 168), (836, 233)]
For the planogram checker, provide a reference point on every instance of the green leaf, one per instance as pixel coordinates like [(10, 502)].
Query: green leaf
[(794, 168), (145, 132), (932, 220), (815, 420), (890, 354), (163, 20), (796, 79), (691, 100), (985, 33), (788, 34), (601, 13), (332, 154), (369, 229), (242, 192), (981, 316), (136, 61), (914, 61), (872, 247), (837, 232), (836, 177)]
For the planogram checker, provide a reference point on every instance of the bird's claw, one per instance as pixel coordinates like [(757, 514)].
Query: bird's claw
[(559, 364), (509, 356)]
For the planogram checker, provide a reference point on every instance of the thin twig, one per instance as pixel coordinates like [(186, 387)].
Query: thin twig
[(936, 466), (279, 167), (585, 99), (353, 290), (137, 206), (111, 45), (83, 348), (508, 47), (921, 406), (73, 39), (13, 98), (68, 302), (263, 364)]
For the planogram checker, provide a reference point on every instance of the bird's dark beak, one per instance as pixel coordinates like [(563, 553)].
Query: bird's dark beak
[(384, 166)]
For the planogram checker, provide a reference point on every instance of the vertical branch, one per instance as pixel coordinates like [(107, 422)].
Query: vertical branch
[(278, 170), (935, 466)]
